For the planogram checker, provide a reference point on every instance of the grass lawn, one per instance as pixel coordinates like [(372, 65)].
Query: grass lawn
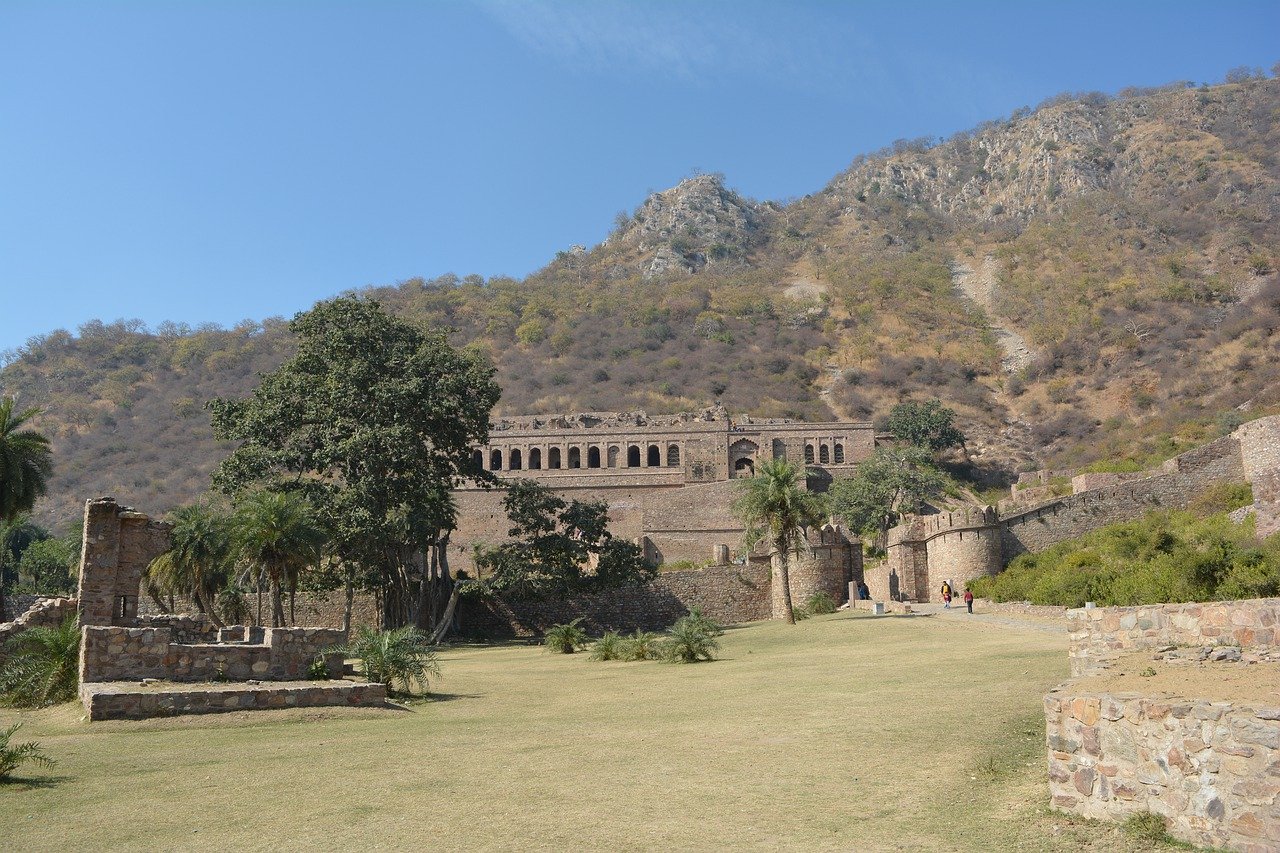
[(844, 732)]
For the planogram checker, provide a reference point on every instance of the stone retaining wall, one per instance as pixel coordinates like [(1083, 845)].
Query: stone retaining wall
[(1099, 633), (309, 608), (128, 702), (1212, 769), (47, 612), (114, 653)]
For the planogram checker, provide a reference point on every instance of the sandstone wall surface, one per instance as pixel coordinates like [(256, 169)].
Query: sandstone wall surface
[(1096, 634), (1212, 769), (112, 702)]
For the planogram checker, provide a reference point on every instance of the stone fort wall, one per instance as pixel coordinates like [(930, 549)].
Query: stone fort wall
[(962, 546)]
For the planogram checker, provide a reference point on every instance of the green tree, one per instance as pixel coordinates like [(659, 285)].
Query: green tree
[(774, 502), (47, 565), (893, 481), (16, 536), (198, 560), (374, 420), (928, 424), (554, 542), (279, 534), (26, 463)]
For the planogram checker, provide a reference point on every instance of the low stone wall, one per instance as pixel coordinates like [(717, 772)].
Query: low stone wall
[(1212, 769), (47, 612), (1099, 633), (113, 653), (309, 608), (129, 702), (727, 594), (1021, 608)]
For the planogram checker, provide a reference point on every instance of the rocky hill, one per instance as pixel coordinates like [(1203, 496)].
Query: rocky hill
[(1092, 279)]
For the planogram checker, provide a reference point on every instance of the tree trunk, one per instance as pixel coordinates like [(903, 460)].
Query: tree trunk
[(783, 579), (277, 603), (426, 586), (442, 629), (350, 585), (258, 583)]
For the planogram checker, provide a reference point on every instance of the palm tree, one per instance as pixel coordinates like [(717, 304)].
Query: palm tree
[(41, 667), (25, 465), (280, 534), (197, 559), (773, 500)]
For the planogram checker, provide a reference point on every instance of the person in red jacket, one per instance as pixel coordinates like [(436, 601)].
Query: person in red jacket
[(968, 598)]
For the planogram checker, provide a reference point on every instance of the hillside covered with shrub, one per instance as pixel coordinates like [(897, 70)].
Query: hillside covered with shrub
[(1092, 279)]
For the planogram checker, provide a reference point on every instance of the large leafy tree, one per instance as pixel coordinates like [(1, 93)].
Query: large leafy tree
[(280, 534), (774, 502), (198, 560), (559, 547), (928, 425), (892, 482), (374, 420), (26, 462)]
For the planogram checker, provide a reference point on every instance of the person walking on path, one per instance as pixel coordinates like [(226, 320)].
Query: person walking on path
[(946, 594), (968, 598)]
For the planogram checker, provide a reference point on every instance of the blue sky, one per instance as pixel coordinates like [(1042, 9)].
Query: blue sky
[(201, 161)]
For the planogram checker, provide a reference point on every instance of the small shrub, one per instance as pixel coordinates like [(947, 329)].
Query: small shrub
[(643, 645), (317, 670), (565, 638), (696, 617), (401, 656), (689, 642), (820, 602), (612, 646), (13, 756), (800, 612), (1146, 826)]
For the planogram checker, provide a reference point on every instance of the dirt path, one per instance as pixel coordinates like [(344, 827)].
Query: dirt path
[(980, 286), (1000, 620)]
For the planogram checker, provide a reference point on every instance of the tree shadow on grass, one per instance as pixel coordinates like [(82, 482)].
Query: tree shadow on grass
[(28, 783)]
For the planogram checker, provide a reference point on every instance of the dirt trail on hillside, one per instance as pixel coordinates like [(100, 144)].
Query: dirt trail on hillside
[(980, 286)]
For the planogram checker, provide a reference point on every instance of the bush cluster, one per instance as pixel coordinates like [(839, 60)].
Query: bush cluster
[(690, 639), (1163, 557)]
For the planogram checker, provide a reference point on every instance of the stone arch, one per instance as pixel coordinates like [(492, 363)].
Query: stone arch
[(535, 459), (655, 456), (593, 457), (553, 458), (612, 456), (477, 459), (673, 455), (742, 458), (779, 449), (495, 460), (808, 454), (515, 460), (633, 456), (839, 453), (575, 457), (824, 454)]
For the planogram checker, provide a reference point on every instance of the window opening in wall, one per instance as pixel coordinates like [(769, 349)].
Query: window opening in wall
[(495, 460), (808, 454), (553, 457), (824, 454), (515, 462), (655, 456), (535, 459), (477, 459), (839, 454), (779, 449), (613, 456), (673, 456), (123, 611), (744, 468), (593, 457), (633, 457), (575, 457)]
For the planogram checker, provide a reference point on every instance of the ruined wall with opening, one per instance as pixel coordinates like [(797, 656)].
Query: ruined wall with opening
[(118, 543)]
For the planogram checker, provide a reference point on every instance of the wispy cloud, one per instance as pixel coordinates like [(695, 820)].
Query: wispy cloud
[(671, 39)]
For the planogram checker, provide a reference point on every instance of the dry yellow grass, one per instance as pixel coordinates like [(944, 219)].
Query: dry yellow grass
[(844, 732)]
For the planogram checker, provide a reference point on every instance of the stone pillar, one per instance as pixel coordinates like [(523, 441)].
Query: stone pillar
[(99, 559), (720, 554)]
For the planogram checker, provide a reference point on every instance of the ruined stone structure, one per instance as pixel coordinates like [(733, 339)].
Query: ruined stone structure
[(1206, 763), (975, 541), (667, 479), (120, 648)]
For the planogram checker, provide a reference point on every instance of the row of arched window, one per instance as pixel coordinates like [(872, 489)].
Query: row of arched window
[(515, 459), (827, 454)]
